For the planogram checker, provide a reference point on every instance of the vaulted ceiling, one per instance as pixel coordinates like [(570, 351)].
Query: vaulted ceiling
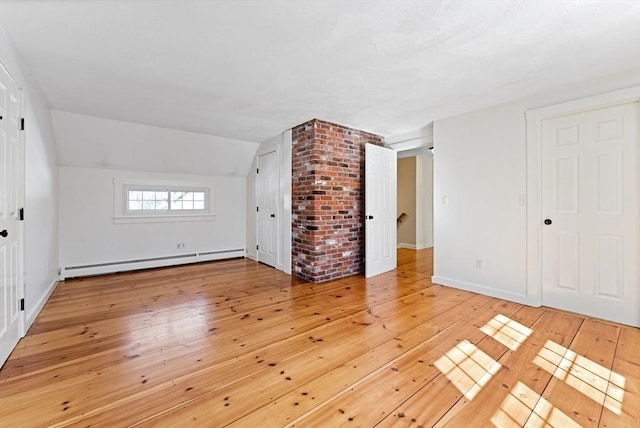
[(248, 70)]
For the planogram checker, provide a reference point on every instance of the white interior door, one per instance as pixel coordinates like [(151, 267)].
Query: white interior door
[(11, 241), (380, 210), (590, 204), (267, 197)]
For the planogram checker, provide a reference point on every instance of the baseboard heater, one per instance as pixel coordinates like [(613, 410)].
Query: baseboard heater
[(153, 262)]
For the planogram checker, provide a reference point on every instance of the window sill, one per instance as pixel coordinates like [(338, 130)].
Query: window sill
[(159, 218)]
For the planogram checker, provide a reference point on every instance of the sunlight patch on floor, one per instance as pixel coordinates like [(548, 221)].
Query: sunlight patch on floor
[(468, 368), (523, 407), (591, 379), (507, 331)]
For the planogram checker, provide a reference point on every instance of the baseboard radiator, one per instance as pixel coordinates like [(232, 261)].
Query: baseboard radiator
[(153, 262)]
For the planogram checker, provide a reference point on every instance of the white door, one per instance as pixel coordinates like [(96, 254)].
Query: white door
[(591, 216), (380, 210), (10, 225), (267, 197)]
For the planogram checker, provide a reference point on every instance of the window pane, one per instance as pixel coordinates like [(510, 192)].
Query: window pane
[(135, 195), (156, 201), (177, 196)]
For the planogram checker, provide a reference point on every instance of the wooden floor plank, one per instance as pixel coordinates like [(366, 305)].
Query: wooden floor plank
[(494, 405), (237, 343), (401, 377), (581, 371), (334, 358), (264, 366), (622, 404)]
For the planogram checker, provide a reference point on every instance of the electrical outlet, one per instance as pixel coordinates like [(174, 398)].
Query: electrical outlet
[(479, 263), (179, 245)]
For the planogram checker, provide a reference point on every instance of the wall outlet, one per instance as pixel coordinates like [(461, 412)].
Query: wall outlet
[(179, 245), (445, 201), (479, 264)]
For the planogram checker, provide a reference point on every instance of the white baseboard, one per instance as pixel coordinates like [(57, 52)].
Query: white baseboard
[(35, 311), (481, 289), (128, 265), (413, 246)]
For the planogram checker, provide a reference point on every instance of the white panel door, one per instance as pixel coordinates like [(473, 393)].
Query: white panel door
[(267, 197), (10, 225), (591, 216), (380, 210)]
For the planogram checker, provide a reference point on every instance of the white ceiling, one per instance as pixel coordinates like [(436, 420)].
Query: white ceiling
[(251, 69)]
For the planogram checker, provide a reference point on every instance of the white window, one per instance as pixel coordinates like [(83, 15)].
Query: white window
[(152, 201)]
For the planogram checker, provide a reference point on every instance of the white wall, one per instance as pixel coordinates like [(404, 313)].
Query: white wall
[(480, 168), (424, 201), (283, 142), (95, 142), (88, 234), (41, 190)]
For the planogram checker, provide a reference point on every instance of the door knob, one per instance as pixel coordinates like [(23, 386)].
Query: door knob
[(4, 233), (547, 221), (273, 216)]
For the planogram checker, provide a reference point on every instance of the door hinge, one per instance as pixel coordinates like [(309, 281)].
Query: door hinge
[(257, 170), (256, 247), (21, 214), (257, 209), (22, 304), (22, 123)]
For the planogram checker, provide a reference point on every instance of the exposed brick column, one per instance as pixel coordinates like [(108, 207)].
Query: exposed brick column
[(328, 200)]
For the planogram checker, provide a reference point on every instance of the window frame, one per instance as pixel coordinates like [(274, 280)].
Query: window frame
[(122, 213)]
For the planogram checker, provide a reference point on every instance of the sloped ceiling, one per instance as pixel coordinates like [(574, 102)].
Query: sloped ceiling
[(248, 70)]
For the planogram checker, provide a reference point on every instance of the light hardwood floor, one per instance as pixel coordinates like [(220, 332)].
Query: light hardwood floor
[(240, 344)]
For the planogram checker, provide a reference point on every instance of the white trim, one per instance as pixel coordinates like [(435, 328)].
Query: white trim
[(35, 310), (23, 324), (129, 265), (422, 137), (480, 289), (261, 152), (534, 120), (286, 156), (121, 215), (161, 218), (414, 247)]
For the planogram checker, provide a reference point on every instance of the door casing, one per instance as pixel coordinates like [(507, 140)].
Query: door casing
[(18, 184), (275, 262), (534, 175), (380, 210)]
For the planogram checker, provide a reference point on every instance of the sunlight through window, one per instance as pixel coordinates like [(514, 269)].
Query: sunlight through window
[(591, 379), (468, 368), (524, 407), (507, 331)]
